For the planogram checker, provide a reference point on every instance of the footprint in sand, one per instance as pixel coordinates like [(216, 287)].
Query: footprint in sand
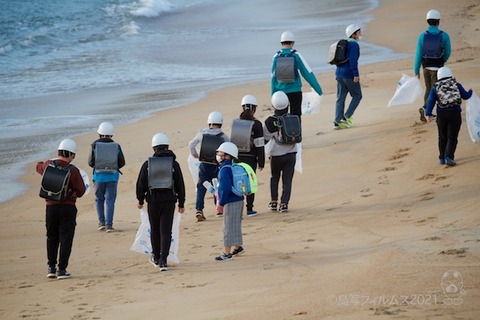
[(426, 196), (366, 193)]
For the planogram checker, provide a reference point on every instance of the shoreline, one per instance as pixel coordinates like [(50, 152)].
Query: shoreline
[(373, 214)]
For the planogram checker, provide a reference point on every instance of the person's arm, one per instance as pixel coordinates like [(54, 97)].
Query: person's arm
[(464, 93), (179, 186), (142, 185), (308, 74), (76, 182), (121, 158), (447, 46), (418, 56)]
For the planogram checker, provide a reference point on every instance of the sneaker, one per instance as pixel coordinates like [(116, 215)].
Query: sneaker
[(442, 161), (237, 251), (164, 266), (350, 122), (340, 125), (421, 110), (224, 257), (449, 162), (109, 229), (283, 208), (219, 214), (251, 213), (52, 273), (101, 226), (153, 261), (63, 274), (200, 216), (272, 205)]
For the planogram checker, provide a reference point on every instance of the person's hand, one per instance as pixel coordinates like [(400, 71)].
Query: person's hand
[(429, 118), (219, 209), (417, 75), (181, 210), (195, 156), (260, 168), (356, 79), (139, 206)]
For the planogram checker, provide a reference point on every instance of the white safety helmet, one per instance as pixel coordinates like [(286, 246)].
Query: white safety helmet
[(351, 29), (215, 117), (68, 145), (249, 99), (287, 36), (433, 14), (280, 100), (160, 139), (444, 72), (105, 129), (229, 148)]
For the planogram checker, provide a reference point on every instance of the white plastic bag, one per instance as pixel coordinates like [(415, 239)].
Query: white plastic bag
[(473, 118), (408, 90), (298, 160), (311, 102), (193, 164), (142, 243), (86, 181)]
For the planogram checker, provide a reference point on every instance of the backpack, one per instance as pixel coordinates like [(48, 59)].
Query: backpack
[(55, 179), (160, 173), (106, 157), (286, 67), (209, 146), (432, 51), (337, 54), (241, 135), (448, 94), (290, 129), (244, 179)]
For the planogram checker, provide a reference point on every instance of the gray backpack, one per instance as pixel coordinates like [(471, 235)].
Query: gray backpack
[(286, 67), (160, 173), (106, 157)]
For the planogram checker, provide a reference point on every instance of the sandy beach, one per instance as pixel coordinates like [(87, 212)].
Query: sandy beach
[(374, 222)]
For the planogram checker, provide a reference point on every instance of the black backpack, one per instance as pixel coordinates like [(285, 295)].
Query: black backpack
[(209, 146), (337, 54), (432, 53), (55, 179), (289, 129)]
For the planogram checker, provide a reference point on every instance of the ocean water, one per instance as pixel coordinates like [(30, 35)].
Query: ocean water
[(66, 66)]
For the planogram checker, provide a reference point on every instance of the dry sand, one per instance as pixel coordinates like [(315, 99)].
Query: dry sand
[(374, 220)]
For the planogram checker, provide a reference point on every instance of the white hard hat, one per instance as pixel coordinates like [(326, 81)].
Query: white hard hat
[(433, 14), (229, 148), (215, 117), (105, 129), (351, 29), (280, 100), (160, 139), (68, 145), (287, 36), (249, 99), (444, 72)]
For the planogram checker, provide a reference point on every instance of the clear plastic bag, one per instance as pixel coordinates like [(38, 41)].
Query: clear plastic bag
[(408, 90), (473, 118), (311, 102)]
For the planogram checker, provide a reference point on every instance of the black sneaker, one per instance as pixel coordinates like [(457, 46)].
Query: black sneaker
[(63, 274), (237, 251), (101, 227), (200, 216), (283, 208), (164, 266), (109, 229), (421, 110), (154, 261), (52, 272), (272, 206), (224, 257)]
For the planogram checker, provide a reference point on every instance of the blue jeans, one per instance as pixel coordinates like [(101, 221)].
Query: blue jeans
[(206, 172), (345, 86), (105, 192)]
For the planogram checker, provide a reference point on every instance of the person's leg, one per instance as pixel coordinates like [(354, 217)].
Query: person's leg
[(201, 191), (110, 198), (453, 128), (356, 92), (53, 236), (287, 176), (295, 99), (275, 170), (67, 232), (341, 96), (154, 209), (430, 76), (166, 221), (442, 125), (232, 235), (252, 162), (100, 201)]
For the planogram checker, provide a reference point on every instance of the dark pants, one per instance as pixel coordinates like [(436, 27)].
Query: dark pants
[(160, 215), (295, 99), (283, 166), (448, 123), (430, 76), (206, 172), (252, 162), (60, 221)]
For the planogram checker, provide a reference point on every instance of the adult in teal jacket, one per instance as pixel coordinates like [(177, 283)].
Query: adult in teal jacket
[(430, 65), (293, 88)]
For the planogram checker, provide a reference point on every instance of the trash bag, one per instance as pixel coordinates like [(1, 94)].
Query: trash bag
[(193, 164), (86, 181), (298, 160), (311, 102), (473, 118), (408, 90)]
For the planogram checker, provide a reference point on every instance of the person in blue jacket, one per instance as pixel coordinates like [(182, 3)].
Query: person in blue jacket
[(232, 204), (348, 81), (447, 94), (433, 50), (287, 79)]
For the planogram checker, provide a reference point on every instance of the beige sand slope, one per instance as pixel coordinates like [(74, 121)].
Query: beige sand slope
[(374, 224)]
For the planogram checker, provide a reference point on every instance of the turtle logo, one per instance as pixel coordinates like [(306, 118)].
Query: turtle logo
[(452, 286)]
